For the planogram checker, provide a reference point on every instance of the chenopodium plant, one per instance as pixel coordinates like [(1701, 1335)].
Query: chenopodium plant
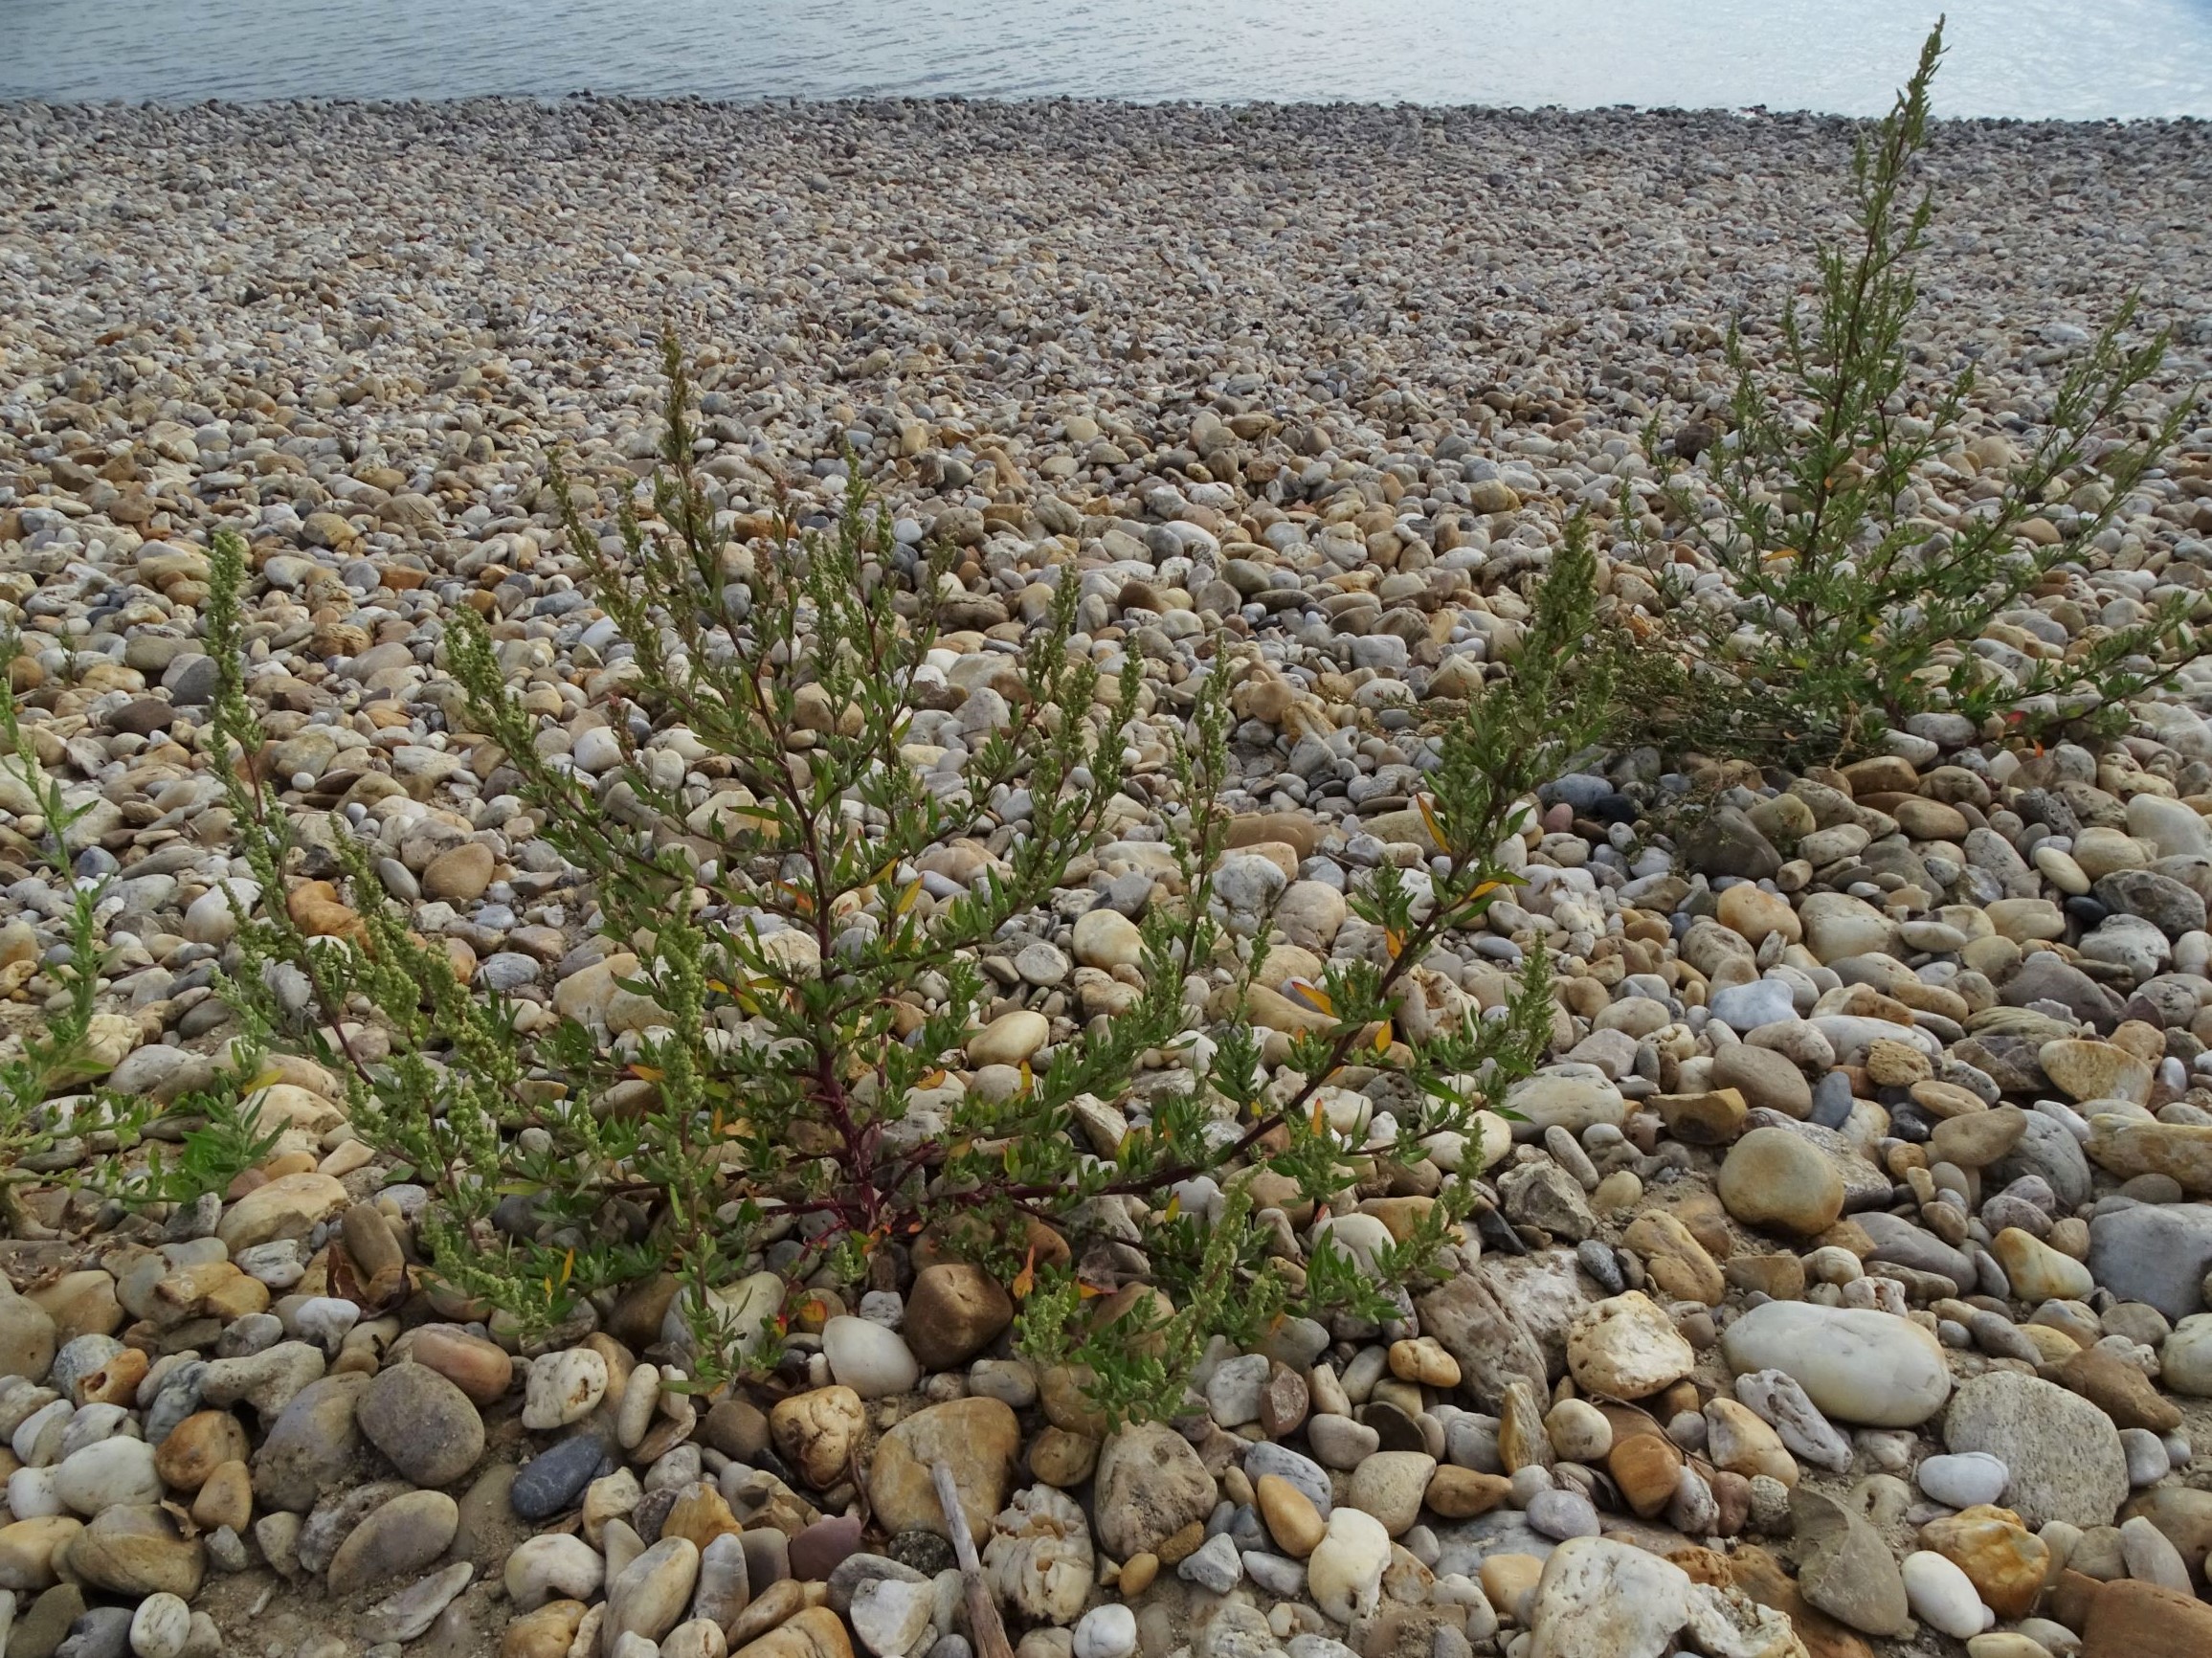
[(779, 1103), (1319, 1148), (753, 853), (1845, 609), (45, 1103)]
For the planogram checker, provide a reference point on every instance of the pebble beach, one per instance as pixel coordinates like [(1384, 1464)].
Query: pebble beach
[(1846, 1280)]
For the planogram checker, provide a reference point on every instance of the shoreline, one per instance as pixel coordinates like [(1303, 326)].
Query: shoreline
[(866, 101)]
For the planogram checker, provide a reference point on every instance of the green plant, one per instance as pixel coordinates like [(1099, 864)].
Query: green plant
[(43, 1099), (219, 1132), (790, 1005), (1844, 610)]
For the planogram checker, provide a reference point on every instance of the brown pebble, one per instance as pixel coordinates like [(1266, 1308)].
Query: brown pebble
[(1181, 1545)]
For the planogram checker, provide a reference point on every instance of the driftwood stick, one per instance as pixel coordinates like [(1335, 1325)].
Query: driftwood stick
[(983, 1625)]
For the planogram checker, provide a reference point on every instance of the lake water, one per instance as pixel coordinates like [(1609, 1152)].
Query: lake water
[(2078, 60)]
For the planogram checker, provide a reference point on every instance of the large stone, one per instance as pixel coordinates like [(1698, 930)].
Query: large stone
[(2156, 1253), (2037, 1272), (27, 1335), (2043, 976), (1468, 1320), (1765, 1079), (137, 1550), (311, 1446), (1150, 1485), (1600, 1598), (1854, 1363), (953, 1312), (889, 1614), (2185, 1360), (1575, 1097), (816, 1632), (2005, 1561), (1106, 938), (1897, 1241), (1010, 1038), (289, 1206), (2065, 1454), (402, 1535), (647, 1597), (1039, 1560), (425, 1426), (1344, 1573), (1724, 842), (459, 875), (1627, 1348), (2135, 1620), (872, 1360), (980, 1438), (2184, 1514), (2119, 1389), (1838, 926), (817, 1432), (2095, 1070), (1776, 1177), (1847, 1570), (2129, 1147)]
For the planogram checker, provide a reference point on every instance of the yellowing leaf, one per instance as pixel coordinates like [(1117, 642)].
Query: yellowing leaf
[(268, 1078), (1175, 1208), (1382, 1037), (1428, 813), (1394, 941), (1025, 1280), (1311, 994), (908, 897), (645, 1073), (568, 1267)]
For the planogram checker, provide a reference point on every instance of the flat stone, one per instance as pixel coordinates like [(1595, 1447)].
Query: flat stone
[(1857, 1364), (403, 1535), (137, 1550), (2128, 1148), (2063, 1453), (979, 1438), (1847, 1570), (410, 1613)]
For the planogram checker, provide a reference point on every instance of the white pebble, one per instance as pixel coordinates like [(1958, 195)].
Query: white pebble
[(1108, 1631), (1943, 1596)]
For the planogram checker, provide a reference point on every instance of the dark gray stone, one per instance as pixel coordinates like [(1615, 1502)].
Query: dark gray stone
[(2154, 1253), (555, 1479)]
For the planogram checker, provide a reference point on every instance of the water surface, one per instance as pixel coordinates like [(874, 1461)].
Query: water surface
[(2079, 60)]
